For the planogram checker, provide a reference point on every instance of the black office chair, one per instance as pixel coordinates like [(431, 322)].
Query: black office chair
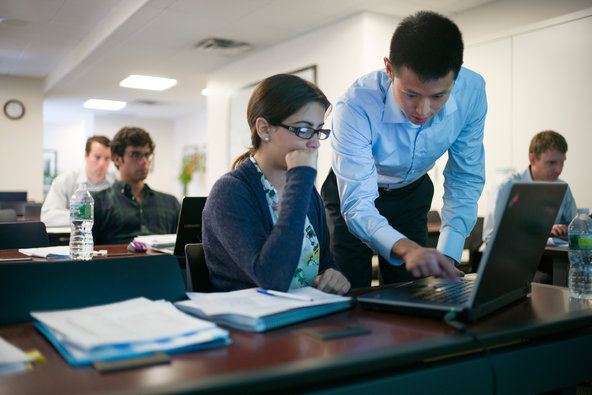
[(198, 275), (7, 215), (473, 242), (33, 210), (14, 235), (434, 217)]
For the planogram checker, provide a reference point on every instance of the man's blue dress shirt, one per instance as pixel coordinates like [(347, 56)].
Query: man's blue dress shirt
[(375, 145)]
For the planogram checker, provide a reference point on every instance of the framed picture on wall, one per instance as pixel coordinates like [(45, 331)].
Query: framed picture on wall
[(239, 139)]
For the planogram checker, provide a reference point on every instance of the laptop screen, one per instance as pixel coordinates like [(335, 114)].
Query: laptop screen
[(518, 242)]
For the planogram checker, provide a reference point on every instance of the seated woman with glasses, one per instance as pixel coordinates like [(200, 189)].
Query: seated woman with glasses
[(264, 222)]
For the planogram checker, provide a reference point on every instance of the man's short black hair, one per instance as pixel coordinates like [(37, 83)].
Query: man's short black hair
[(133, 136), (427, 43)]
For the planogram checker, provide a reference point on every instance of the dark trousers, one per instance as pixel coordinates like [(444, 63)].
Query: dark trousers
[(405, 209)]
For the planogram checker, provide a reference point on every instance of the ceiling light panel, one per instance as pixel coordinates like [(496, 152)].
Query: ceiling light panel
[(109, 105), (148, 82)]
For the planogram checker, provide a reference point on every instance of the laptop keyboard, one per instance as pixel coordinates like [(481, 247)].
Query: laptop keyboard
[(447, 293)]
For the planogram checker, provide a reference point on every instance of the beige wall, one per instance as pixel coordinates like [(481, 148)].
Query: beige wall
[(21, 141)]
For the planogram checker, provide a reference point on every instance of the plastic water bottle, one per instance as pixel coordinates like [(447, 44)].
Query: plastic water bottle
[(81, 223), (580, 255)]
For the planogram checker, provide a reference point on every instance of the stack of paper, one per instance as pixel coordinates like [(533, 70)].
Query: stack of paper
[(125, 329), (157, 241), (254, 310), (557, 242), (12, 359), (49, 252)]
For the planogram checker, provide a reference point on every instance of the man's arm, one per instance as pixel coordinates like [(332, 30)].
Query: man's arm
[(464, 180), (55, 210)]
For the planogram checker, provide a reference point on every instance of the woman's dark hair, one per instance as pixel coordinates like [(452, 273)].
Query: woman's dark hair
[(427, 43), (275, 99)]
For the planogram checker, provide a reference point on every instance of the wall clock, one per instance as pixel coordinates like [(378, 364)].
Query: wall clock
[(14, 109)]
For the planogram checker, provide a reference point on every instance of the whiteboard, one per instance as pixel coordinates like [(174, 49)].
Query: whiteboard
[(239, 139)]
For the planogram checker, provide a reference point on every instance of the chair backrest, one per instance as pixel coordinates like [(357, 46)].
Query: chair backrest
[(198, 275), (7, 215), (26, 234), (434, 216), (39, 286), (15, 200), (473, 242), (33, 210)]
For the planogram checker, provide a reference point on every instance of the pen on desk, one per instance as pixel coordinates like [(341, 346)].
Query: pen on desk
[(283, 295), (120, 254), (15, 259)]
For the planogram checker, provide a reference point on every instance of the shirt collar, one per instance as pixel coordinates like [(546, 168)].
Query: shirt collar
[(126, 189), (393, 114), (527, 175)]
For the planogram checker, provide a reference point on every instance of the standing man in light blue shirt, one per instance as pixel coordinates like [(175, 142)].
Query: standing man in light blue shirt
[(389, 128)]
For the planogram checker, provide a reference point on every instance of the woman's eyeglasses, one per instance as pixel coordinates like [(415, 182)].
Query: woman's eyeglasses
[(307, 133)]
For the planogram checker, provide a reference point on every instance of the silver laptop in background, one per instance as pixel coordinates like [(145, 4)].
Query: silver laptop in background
[(507, 266)]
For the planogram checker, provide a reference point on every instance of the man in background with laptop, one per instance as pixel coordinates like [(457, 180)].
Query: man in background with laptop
[(130, 207), (546, 156), (96, 175)]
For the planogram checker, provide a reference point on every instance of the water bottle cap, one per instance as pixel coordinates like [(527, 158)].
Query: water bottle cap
[(583, 210)]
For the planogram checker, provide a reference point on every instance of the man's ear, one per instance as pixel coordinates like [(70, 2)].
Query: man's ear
[(388, 67), (531, 158), (117, 160)]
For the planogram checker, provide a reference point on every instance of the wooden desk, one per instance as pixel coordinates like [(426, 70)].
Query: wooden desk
[(537, 344), (119, 249)]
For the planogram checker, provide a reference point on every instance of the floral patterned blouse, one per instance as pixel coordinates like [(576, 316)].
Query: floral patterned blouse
[(308, 266)]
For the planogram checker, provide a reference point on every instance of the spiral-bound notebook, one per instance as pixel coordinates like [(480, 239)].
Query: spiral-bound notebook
[(254, 311)]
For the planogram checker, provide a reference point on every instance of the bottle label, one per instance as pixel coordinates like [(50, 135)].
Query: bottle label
[(81, 211), (580, 242)]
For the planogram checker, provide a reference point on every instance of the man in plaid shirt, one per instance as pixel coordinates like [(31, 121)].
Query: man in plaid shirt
[(130, 207)]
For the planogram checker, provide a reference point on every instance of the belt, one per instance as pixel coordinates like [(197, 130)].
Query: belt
[(395, 187)]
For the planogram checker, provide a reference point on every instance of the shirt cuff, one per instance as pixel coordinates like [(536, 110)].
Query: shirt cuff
[(451, 243), (384, 240)]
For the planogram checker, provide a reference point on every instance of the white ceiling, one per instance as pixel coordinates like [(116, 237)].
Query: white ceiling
[(83, 48)]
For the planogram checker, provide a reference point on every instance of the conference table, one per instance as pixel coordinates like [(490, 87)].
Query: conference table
[(537, 344)]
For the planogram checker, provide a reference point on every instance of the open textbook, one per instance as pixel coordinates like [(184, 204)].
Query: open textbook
[(131, 328), (258, 310)]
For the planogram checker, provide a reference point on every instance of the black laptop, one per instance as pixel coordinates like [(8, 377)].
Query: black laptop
[(188, 226), (507, 266)]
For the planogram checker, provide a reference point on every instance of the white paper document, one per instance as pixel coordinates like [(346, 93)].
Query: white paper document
[(253, 310), (12, 359), (47, 252), (158, 241), (252, 303), (50, 252), (557, 242), (125, 329)]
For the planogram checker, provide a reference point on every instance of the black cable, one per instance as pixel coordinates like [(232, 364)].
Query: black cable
[(461, 328)]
